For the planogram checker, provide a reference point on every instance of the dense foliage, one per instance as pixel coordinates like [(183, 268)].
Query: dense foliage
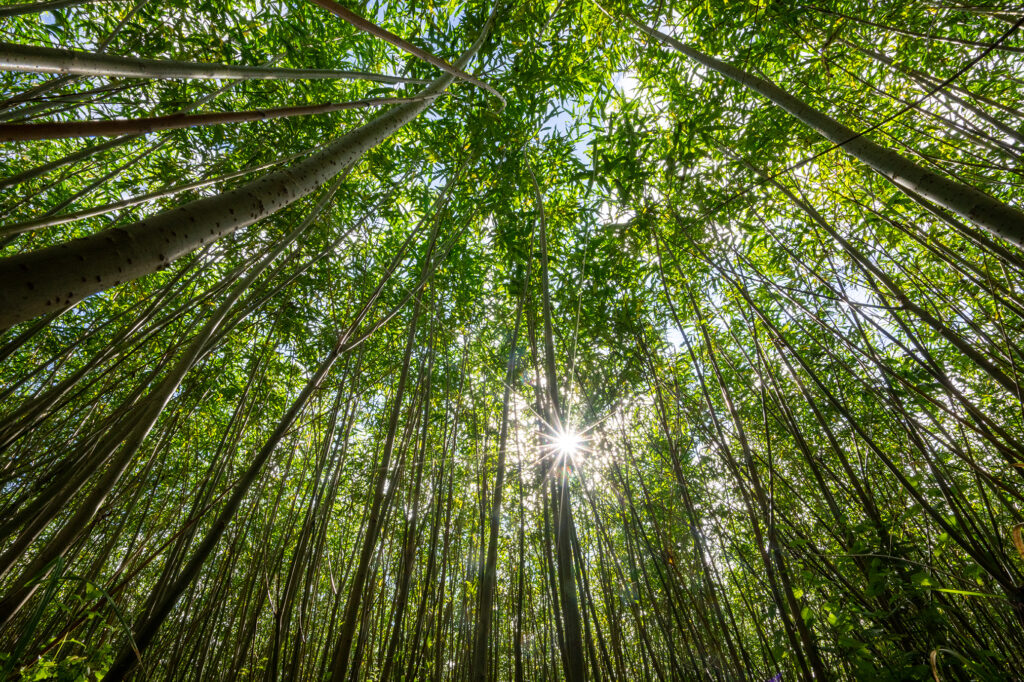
[(634, 375)]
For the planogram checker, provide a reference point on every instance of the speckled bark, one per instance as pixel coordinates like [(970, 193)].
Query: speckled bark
[(33, 59), (38, 282)]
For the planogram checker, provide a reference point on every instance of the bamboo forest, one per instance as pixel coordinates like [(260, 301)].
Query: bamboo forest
[(511, 340)]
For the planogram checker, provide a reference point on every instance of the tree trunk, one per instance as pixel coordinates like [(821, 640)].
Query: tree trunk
[(38, 282), (478, 672), (982, 209), (31, 59), (16, 132)]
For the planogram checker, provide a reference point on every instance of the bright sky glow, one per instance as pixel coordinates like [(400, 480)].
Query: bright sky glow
[(568, 443)]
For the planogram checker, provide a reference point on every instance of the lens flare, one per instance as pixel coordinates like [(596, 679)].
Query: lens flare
[(568, 443)]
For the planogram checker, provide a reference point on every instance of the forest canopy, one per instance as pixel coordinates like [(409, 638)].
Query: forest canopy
[(526, 340)]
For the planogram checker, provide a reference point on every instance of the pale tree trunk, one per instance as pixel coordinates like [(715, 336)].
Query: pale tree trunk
[(38, 282), (32, 59), (982, 209)]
